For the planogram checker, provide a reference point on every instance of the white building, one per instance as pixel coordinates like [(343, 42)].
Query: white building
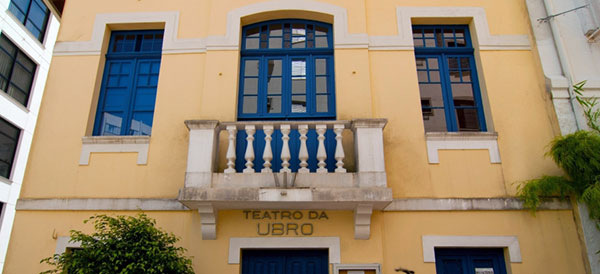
[(567, 34), (28, 32)]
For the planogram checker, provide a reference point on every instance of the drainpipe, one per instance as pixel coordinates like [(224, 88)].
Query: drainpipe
[(563, 63)]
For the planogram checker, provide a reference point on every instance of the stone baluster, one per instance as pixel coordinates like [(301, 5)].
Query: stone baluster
[(232, 130), (303, 153), (339, 149), (249, 156), (321, 153), (285, 150), (268, 153)]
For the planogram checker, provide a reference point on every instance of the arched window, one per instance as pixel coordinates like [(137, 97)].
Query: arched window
[(286, 71)]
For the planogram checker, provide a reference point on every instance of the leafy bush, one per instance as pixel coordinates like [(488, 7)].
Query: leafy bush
[(122, 244), (578, 155)]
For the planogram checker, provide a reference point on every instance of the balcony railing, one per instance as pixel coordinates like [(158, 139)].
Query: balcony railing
[(286, 164)]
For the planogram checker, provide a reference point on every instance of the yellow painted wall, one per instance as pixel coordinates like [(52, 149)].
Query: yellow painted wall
[(369, 84), (548, 243)]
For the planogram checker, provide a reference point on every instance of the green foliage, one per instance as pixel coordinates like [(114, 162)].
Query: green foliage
[(578, 154), (122, 244), (532, 192), (591, 113)]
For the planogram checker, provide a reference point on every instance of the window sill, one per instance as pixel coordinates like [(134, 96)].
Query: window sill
[(5, 180), (139, 144), (461, 140), (14, 101)]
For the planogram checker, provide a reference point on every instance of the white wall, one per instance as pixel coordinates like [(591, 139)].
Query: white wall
[(568, 57), (22, 117)]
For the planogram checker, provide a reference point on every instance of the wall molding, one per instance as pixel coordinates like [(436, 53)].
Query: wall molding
[(331, 243), (483, 38), (406, 204), (342, 38), (139, 144), (471, 204), (430, 242), (101, 204), (437, 141)]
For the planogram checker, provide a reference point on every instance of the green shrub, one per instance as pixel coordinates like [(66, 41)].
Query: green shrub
[(122, 244)]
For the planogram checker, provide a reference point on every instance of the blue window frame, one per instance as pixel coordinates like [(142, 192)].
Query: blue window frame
[(469, 261), (128, 92), (260, 261), (287, 71), (33, 14), (450, 94), (16, 71), (9, 138)]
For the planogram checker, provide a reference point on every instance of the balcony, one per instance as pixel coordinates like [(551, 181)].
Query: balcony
[(286, 165)]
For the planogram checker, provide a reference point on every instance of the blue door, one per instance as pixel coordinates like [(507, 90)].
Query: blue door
[(259, 261), (469, 261)]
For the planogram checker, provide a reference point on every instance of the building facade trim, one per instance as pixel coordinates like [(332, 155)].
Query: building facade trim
[(331, 243), (430, 242), (343, 39), (437, 141), (408, 204), (139, 144)]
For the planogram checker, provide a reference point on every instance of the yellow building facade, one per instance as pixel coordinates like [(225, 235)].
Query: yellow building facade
[(415, 121)]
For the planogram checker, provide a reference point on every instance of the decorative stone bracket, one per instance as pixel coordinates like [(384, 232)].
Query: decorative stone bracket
[(362, 221)]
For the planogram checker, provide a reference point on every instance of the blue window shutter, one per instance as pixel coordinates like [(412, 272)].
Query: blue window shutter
[(128, 93)]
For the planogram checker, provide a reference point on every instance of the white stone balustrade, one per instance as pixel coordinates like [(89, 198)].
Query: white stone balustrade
[(368, 148)]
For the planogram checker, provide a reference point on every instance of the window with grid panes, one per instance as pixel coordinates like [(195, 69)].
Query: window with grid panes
[(128, 92), (33, 14), (16, 71), (287, 71), (450, 95), (9, 138)]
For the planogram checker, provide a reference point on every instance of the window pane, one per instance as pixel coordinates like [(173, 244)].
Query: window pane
[(141, 124), (455, 76), (432, 93), (322, 42), (320, 30), (453, 63), (467, 119), (463, 93), (421, 63), (418, 43), (275, 30), (434, 76), (111, 123), (249, 104), (434, 119), (298, 30), (298, 42), (298, 104), (275, 43), (422, 75), (250, 86), (322, 103), (428, 33), (274, 68), (251, 43), (298, 85), (253, 32), (17, 94), (433, 63), (9, 130), (466, 76), (251, 68), (274, 104), (299, 67), (321, 66), (321, 84), (274, 85)]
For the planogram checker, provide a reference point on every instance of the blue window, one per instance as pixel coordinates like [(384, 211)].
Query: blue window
[(33, 14), (287, 71), (9, 138), (260, 261), (469, 261), (128, 93), (450, 95), (16, 71)]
